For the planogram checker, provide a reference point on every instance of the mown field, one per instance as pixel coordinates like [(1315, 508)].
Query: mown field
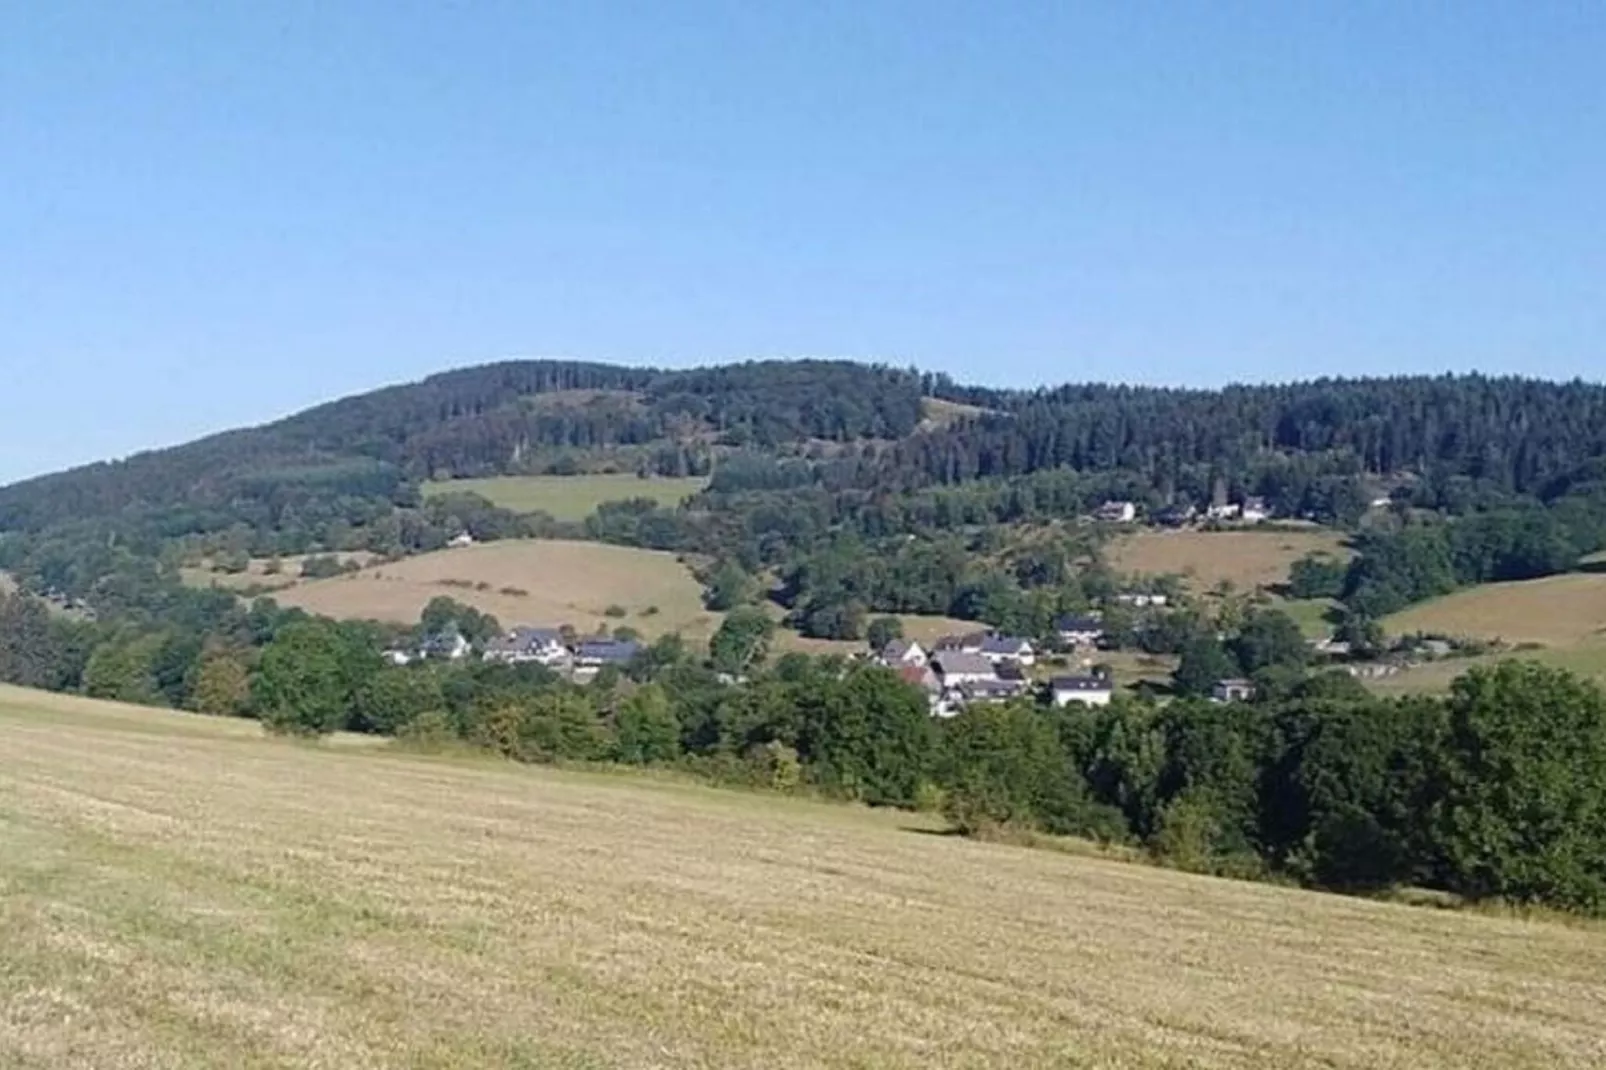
[(569, 497), (1558, 620), (1247, 559), (538, 582), (179, 892)]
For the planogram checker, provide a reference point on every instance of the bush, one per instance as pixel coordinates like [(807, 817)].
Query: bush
[(615, 611)]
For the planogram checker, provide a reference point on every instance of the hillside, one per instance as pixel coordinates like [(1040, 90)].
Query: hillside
[(1249, 560), (181, 892), (1555, 611), (545, 582), (570, 498)]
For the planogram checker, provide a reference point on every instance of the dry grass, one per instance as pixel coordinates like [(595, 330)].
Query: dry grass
[(1557, 611), (8, 585), (566, 583), (177, 892), (937, 413), (1249, 559), (569, 497)]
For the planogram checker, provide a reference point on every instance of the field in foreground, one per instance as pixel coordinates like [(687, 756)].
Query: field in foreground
[(569, 497), (179, 892), (538, 582)]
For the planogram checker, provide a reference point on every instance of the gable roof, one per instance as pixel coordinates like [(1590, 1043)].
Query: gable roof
[(1004, 644), (1080, 683), (917, 675), (957, 642), (1083, 623), (606, 650), (898, 648), (963, 663)]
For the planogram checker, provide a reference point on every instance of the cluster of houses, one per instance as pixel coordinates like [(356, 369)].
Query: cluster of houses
[(579, 658), (960, 670), (1250, 510)]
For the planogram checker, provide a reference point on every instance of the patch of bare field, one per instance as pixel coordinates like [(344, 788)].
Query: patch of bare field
[(178, 893), (1248, 559), (537, 582)]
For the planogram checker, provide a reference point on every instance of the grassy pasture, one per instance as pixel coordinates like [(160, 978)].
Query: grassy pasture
[(179, 892), (541, 582), (1561, 611), (569, 497), (1562, 617), (1249, 559)]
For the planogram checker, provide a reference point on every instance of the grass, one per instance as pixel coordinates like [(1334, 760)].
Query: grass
[(565, 583), (1310, 614), (569, 497), (1560, 620), (1248, 559), (179, 892), (1564, 610)]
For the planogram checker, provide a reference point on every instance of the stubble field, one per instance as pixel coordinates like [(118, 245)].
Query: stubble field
[(179, 892)]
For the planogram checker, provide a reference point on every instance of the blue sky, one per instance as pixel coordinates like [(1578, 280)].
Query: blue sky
[(215, 214)]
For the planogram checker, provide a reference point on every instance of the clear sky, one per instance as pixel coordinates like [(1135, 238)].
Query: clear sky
[(213, 214)]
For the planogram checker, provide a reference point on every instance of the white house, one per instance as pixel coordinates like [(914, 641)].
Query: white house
[(1079, 631), (1086, 690), (1255, 510), (1227, 511), (970, 643), (1234, 690), (460, 540), (1141, 599), (449, 645), (1117, 512), (901, 652)]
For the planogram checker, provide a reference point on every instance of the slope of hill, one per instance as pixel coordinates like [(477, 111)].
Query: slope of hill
[(571, 498), (547, 582), (1555, 611), (180, 893)]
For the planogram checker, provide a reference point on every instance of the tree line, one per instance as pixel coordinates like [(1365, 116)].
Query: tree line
[(1497, 790)]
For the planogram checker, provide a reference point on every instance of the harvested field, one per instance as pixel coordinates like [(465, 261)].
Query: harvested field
[(569, 497), (179, 892), (1248, 559), (540, 582), (1556, 611)]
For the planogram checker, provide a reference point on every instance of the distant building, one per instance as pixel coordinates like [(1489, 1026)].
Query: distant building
[(595, 653), (1116, 512), (1141, 599), (1000, 649), (970, 643), (449, 645), (901, 652), (1225, 511), (1086, 690), (1234, 690), (1255, 510), (460, 540), (542, 646), (1176, 516), (962, 667), (1076, 631)]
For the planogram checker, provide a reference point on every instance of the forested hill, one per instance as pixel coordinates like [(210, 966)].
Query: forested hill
[(840, 427), (485, 420)]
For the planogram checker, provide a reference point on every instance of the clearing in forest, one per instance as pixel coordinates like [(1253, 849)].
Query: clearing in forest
[(1248, 559), (569, 497), (524, 581), (180, 892)]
